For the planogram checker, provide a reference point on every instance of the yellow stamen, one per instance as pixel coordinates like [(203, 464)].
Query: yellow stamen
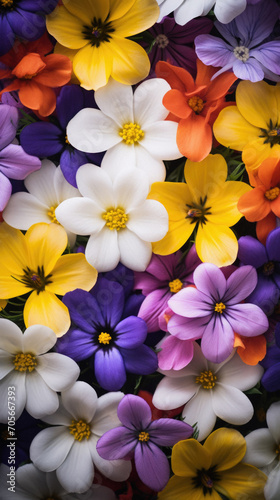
[(51, 214), (29, 77), (131, 133), (277, 451), (66, 140), (194, 213), (25, 362), (272, 193), (79, 429), (104, 338), (175, 285), (116, 218), (196, 103), (273, 133), (219, 307), (7, 3), (144, 436), (207, 379)]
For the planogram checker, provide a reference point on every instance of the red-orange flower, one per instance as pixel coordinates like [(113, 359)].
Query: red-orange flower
[(195, 104), (34, 75), (262, 204)]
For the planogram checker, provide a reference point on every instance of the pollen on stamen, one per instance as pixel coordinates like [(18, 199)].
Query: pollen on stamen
[(80, 430), (220, 307), (175, 285), (207, 379), (115, 218), (104, 338), (51, 214), (143, 436), (25, 362), (131, 133)]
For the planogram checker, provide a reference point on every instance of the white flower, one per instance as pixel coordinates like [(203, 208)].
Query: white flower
[(272, 486), (34, 377), (186, 10), (70, 446), (131, 128), (210, 390), (33, 484), (116, 214), (47, 189)]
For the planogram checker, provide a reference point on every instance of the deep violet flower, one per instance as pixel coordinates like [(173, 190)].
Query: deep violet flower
[(46, 139), (140, 437), (244, 51), (102, 332), (213, 310), (164, 276), (271, 363), (266, 259)]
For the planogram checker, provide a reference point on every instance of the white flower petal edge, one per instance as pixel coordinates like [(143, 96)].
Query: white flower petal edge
[(273, 419), (260, 449), (80, 400), (272, 486)]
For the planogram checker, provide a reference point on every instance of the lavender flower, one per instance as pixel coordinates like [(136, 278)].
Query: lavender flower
[(141, 437)]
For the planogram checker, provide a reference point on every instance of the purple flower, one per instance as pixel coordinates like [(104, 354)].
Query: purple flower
[(141, 437), (245, 50), (266, 260), (271, 363), (164, 276), (213, 310), (101, 331), (46, 139), (15, 163)]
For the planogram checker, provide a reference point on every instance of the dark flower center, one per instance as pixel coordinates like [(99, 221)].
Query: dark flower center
[(271, 135), (198, 212), (241, 52), (268, 268), (162, 41), (98, 32), (36, 280), (205, 480)]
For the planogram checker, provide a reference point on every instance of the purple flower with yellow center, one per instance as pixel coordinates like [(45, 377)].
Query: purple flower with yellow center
[(102, 331), (140, 437), (213, 311)]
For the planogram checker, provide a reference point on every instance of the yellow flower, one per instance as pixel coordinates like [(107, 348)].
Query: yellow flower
[(96, 31), (253, 125), (204, 471), (207, 202), (34, 263)]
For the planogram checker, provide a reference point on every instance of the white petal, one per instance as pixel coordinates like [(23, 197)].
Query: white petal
[(105, 417), (167, 6), (92, 132), (116, 101), (153, 167), (134, 252), (63, 189), (80, 400), (32, 480), (149, 222), (116, 470), (102, 250), (77, 471), (95, 183), (273, 419), (148, 107), (6, 364), (38, 339), (58, 371), (236, 373), (50, 447), (231, 405), (41, 183), (131, 190), (160, 140), (199, 410), (24, 210), (80, 216), (260, 448), (191, 9), (174, 392), (272, 486), (59, 417), (11, 338), (225, 12), (16, 381), (40, 399)]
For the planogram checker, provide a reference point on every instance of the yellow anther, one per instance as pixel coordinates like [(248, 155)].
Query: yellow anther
[(115, 218), (66, 140), (219, 307), (196, 103), (131, 133), (51, 214), (273, 133), (25, 362), (272, 193), (277, 451), (7, 3), (79, 429), (207, 379), (144, 436), (104, 338), (175, 285)]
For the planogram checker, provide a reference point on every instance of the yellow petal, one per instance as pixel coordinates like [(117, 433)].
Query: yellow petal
[(141, 16), (256, 152), (46, 243), (118, 8), (232, 130), (256, 102), (178, 233), (13, 250), (46, 309), (181, 488), (216, 244), (131, 63), (224, 207), (227, 447), (66, 28), (3, 304), (243, 481), (93, 65), (174, 196), (189, 456), (206, 178), (70, 272), (86, 10)]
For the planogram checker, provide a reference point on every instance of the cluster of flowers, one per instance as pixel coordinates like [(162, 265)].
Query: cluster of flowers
[(140, 249)]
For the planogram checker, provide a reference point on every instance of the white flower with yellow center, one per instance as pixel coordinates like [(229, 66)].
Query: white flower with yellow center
[(130, 127), (209, 390), (186, 10), (69, 448), (46, 190), (30, 377), (116, 214)]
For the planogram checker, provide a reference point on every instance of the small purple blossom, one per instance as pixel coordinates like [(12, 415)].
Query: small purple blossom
[(271, 363), (140, 437), (213, 311)]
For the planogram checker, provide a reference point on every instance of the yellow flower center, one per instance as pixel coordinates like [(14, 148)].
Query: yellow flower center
[(272, 193), (207, 379), (131, 133), (175, 285), (80, 430), (66, 140), (219, 307), (196, 103), (277, 451), (162, 41), (268, 268), (198, 212), (51, 215), (271, 135), (104, 338), (7, 3), (241, 52), (25, 362), (143, 436), (115, 218)]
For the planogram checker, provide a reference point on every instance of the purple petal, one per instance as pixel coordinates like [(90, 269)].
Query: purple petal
[(249, 70), (131, 332), (70, 161), (251, 251), (5, 191), (210, 280), (142, 360), (273, 245), (175, 353), (213, 51), (134, 412), (84, 310), (240, 284), (110, 297), (191, 303), (116, 443), (265, 295), (256, 22), (188, 328), (133, 304), (8, 124), (76, 344), (7, 36), (153, 306), (109, 369), (16, 164), (70, 100), (151, 465), (167, 432), (42, 139), (38, 5), (247, 319), (26, 25), (217, 341), (269, 56)]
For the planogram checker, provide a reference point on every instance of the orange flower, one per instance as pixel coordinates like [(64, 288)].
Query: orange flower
[(34, 75), (250, 349), (195, 105), (262, 204)]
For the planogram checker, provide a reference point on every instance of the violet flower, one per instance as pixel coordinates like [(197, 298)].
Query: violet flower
[(164, 276), (140, 437), (47, 139), (271, 363), (266, 259), (213, 310), (245, 50), (15, 163), (101, 331)]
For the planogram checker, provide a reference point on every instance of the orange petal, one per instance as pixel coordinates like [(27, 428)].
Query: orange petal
[(204, 73), (253, 349), (178, 78), (269, 172), (57, 71), (254, 205), (30, 65), (264, 227), (176, 102), (36, 96), (220, 86), (194, 137)]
